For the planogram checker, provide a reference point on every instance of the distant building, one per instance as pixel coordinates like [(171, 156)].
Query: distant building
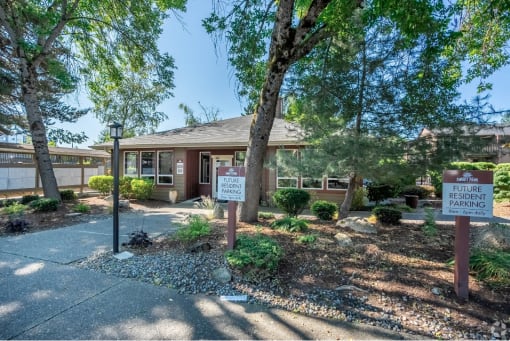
[(16, 135)]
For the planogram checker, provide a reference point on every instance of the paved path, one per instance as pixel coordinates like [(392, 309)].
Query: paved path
[(43, 297)]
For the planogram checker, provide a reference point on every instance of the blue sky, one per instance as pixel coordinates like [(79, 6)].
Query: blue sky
[(203, 75)]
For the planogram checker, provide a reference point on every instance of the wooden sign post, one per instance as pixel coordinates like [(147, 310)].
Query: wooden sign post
[(231, 187), (466, 194)]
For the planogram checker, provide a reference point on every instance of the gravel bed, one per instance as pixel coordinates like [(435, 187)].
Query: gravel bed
[(191, 273)]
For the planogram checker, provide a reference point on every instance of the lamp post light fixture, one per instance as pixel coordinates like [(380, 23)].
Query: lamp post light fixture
[(115, 134)]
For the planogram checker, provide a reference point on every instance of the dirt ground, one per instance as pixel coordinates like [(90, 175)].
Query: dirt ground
[(397, 267)]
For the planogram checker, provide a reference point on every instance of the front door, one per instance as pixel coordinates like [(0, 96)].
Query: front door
[(219, 161)]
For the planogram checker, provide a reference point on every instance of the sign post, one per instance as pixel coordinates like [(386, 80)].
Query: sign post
[(231, 187), (465, 194)]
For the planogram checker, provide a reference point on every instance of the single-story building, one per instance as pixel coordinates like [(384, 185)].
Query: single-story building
[(186, 159)]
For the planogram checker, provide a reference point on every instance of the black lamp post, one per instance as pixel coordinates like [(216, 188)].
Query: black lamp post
[(115, 134)]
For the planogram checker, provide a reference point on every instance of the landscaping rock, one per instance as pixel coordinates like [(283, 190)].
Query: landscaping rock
[(222, 275), (343, 240), (200, 247), (357, 224)]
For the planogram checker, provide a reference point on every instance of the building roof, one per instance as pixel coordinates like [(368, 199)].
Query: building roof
[(225, 133), (479, 130), (28, 148)]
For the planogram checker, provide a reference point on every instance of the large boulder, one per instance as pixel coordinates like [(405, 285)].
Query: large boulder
[(357, 224), (343, 240)]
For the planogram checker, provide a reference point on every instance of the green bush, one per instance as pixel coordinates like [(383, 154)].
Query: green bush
[(45, 205), (14, 210), (29, 198), (421, 192), (502, 182), (142, 188), (491, 266), (379, 192), (81, 208), (358, 199), (67, 195), (290, 224), (292, 201), (9, 202), (197, 227), (387, 215), (102, 183), (266, 215), (429, 227), (125, 187), (258, 251), (324, 210), (307, 239)]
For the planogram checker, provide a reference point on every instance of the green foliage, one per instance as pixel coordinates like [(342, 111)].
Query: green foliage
[(9, 202), (429, 227), (260, 252), (16, 209), (197, 227), (492, 266), (101, 183), (142, 188), (125, 189), (502, 182), (81, 208), (324, 210), (266, 215), (291, 200), (358, 199), (290, 224), (28, 198), (307, 239), (45, 205), (421, 192), (67, 195), (387, 215), (379, 192), (205, 202)]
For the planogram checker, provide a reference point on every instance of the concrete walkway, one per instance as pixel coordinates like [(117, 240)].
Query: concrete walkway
[(43, 297)]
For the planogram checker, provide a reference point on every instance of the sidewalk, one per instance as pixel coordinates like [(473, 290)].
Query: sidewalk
[(43, 297)]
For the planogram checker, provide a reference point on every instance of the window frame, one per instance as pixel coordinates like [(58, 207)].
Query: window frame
[(339, 179), (200, 169), (151, 176), (137, 154), (287, 178), (159, 174)]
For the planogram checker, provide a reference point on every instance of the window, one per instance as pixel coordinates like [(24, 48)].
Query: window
[(147, 165), (239, 159), (165, 168), (287, 175), (311, 170), (205, 168), (131, 164), (336, 182)]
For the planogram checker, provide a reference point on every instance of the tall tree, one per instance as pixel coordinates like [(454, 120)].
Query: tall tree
[(50, 43)]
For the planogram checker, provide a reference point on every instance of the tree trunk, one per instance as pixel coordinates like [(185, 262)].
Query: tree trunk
[(257, 144), (38, 132), (343, 212)]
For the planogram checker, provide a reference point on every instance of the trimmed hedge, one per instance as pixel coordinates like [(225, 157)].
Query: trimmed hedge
[(387, 215), (102, 183), (291, 200), (324, 210)]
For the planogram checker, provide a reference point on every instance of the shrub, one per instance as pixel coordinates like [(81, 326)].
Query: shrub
[(29, 198), (266, 215), (429, 228), (358, 199), (387, 215), (101, 183), (142, 188), (324, 210), (81, 208), (421, 192), (196, 228), (9, 202), (258, 251), (502, 183), (291, 200), (138, 239), (205, 202), (492, 266), (307, 239), (14, 210), (16, 225), (125, 187), (44, 205), (67, 195), (290, 224), (379, 192)]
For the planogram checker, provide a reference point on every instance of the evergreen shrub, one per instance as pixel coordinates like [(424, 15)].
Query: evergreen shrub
[(379, 192), (67, 195), (259, 251), (29, 198), (324, 210), (44, 205), (142, 188), (291, 200), (387, 215), (421, 192), (101, 183)]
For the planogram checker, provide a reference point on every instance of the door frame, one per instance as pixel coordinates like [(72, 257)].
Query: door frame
[(214, 182)]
